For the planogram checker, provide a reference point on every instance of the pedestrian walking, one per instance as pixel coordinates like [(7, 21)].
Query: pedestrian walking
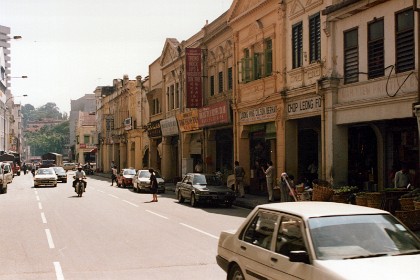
[(153, 185), (239, 179), (114, 175), (269, 178)]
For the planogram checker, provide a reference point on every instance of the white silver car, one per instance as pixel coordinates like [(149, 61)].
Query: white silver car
[(142, 181), (319, 240), (6, 176), (45, 177)]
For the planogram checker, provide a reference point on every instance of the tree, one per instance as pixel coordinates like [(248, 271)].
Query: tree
[(48, 139)]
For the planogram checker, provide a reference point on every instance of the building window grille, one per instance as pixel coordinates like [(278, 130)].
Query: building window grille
[(404, 42), (315, 38), (376, 59), (230, 78), (268, 54), (220, 82), (211, 85), (351, 56), (297, 45)]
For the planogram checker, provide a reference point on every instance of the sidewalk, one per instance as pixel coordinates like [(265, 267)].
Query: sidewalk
[(249, 201)]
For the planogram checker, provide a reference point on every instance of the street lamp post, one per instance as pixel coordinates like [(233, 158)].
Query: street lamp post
[(4, 119)]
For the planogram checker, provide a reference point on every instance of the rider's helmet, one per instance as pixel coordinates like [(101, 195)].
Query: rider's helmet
[(79, 168)]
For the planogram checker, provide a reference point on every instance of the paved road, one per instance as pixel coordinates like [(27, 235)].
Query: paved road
[(109, 233)]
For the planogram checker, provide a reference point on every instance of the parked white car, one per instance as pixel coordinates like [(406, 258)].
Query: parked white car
[(319, 240), (142, 181), (6, 176)]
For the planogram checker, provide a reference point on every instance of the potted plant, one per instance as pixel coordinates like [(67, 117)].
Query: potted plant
[(343, 194)]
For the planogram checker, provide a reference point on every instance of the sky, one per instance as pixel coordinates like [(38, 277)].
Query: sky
[(69, 47)]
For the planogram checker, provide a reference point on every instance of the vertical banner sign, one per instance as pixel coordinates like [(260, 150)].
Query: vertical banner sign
[(193, 76)]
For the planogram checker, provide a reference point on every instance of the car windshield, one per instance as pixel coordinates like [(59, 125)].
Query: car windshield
[(359, 236), (129, 172), (210, 180), (59, 169), (45, 171), (146, 174)]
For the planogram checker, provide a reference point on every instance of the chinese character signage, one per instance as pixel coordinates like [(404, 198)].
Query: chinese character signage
[(217, 113), (153, 129), (193, 76), (188, 121)]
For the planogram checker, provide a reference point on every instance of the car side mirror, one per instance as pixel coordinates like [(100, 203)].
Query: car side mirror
[(299, 256)]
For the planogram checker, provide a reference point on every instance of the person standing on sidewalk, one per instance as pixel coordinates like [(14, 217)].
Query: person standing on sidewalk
[(269, 177), (239, 179), (114, 175)]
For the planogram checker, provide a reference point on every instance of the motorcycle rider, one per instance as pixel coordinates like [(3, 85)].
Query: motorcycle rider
[(79, 174)]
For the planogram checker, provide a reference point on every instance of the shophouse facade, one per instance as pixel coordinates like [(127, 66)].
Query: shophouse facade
[(259, 80), (298, 83), (197, 83), (307, 134), (85, 134), (215, 117), (375, 64), (171, 88), (85, 103), (153, 102), (103, 127), (120, 137)]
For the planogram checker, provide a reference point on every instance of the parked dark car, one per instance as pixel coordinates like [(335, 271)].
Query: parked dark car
[(61, 174), (125, 178), (208, 188)]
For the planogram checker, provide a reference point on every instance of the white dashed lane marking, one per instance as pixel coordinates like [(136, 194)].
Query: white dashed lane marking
[(58, 271), (49, 239), (44, 220), (199, 230)]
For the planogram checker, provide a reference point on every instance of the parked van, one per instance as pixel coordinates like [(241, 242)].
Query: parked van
[(6, 176)]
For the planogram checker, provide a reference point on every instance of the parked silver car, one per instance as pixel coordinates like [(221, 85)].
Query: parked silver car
[(6, 176), (142, 181)]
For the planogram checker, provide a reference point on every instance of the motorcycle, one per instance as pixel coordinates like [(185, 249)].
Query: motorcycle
[(80, 187)]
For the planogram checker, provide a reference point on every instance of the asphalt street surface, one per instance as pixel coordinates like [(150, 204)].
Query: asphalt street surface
[(109, 233)]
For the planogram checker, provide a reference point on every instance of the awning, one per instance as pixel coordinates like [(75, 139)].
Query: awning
[(93, 151)]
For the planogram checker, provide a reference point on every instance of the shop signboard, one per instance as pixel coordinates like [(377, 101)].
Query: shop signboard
[(303, 106), (214, 114), (153, 129), (169, 126), (193, 77), (258, 114), (188, 121)]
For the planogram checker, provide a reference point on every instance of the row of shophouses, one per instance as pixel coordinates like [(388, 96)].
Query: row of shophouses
[(295, 82)]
